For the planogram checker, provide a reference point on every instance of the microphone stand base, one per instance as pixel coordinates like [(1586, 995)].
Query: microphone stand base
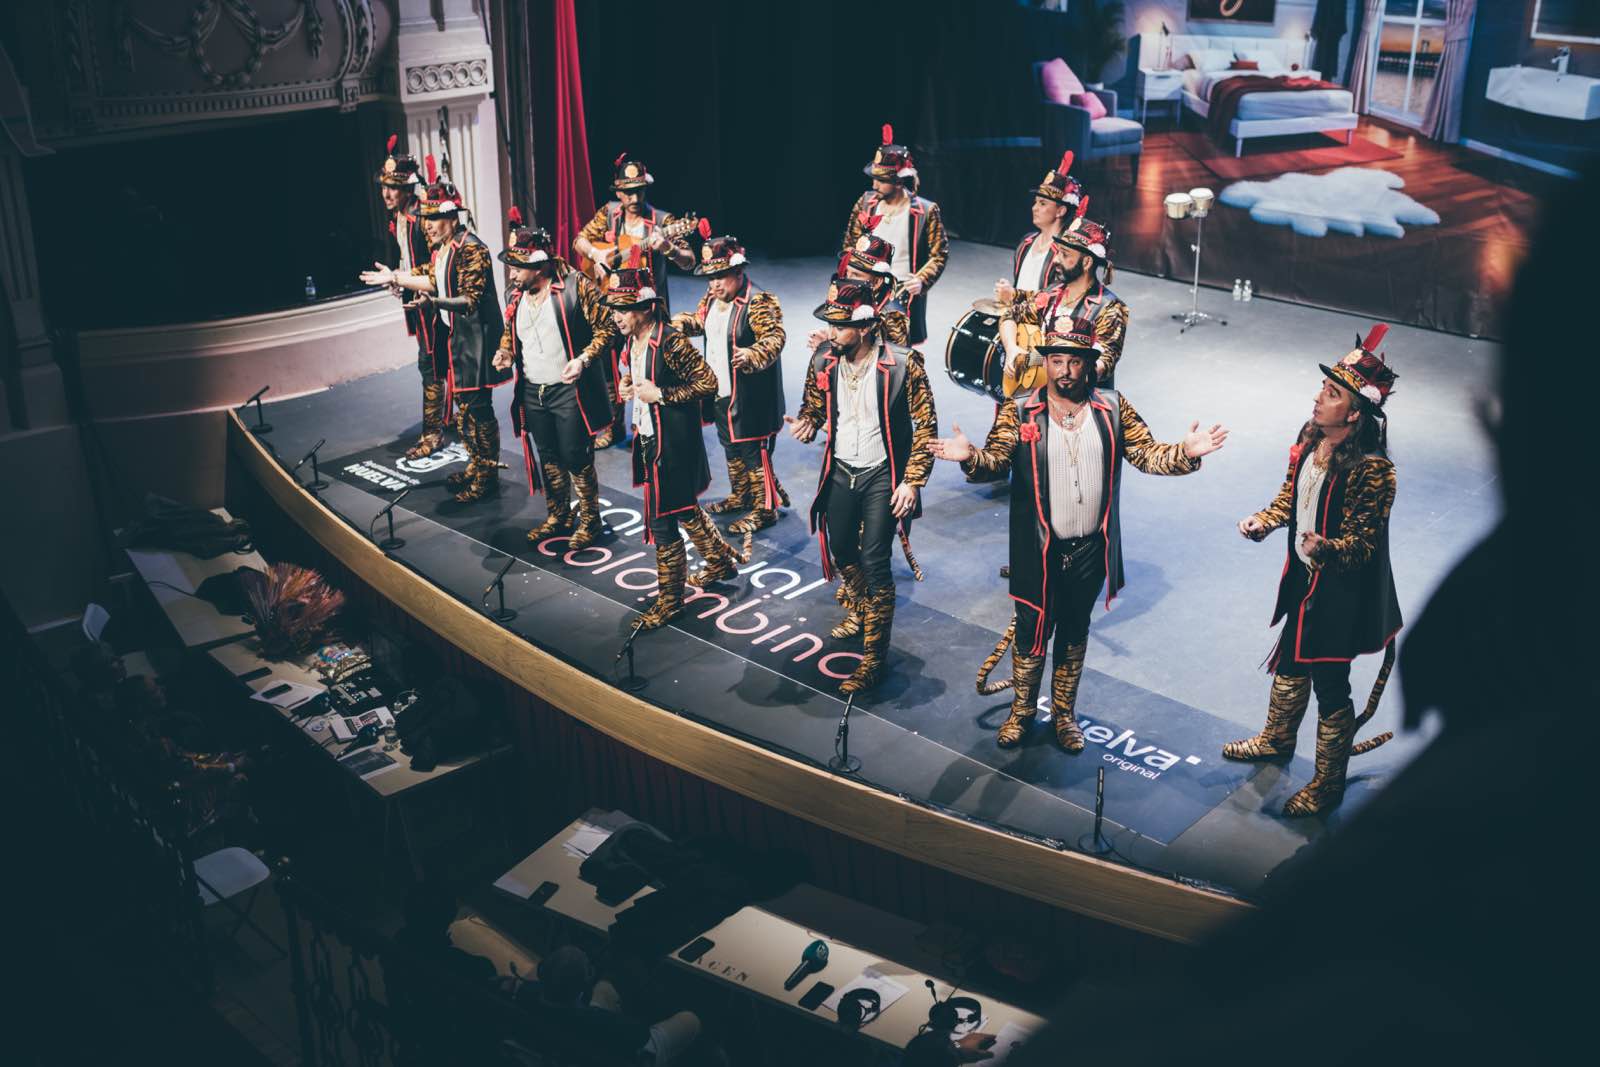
[(389, 544), (1094, 845), (845, 764), (632, 684), (503, 614)]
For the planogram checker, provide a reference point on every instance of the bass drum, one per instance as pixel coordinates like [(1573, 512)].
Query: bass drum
[(974, 357)]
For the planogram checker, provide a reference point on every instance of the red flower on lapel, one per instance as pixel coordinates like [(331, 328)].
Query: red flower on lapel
[(1294, 452), (1029, 431), (822, 380)]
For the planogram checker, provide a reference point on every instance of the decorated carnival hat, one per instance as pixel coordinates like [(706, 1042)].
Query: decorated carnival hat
[(527, 246), (438, 197), (870, 253), (1088, 236), (718, 255), (630, 174), (892, 162), (399, 169), (850, 303), (1062, 187), (1069, 337), (1364, 371), (631, 286)]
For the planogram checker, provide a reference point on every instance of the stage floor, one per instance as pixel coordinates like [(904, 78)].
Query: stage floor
[(1172, 671)]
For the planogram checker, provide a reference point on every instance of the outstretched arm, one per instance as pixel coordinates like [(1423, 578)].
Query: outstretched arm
[(1153, 457)]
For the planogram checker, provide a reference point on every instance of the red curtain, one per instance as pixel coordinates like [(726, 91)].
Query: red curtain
[(574, 186)]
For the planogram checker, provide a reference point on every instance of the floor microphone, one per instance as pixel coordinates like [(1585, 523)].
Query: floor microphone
[(391, 504)]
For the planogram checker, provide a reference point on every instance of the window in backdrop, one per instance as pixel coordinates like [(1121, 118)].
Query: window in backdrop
[(1409, 45)]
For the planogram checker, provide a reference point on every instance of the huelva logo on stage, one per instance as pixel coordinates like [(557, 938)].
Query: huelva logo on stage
[(1123, 748)]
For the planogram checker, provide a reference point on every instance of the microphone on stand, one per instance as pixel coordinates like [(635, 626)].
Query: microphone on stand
[(812, 960), (261, 426), (504, 614), (390, 543), (316, 481)]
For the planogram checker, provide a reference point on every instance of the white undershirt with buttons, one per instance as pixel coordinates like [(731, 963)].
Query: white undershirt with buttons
[(1077, 472), (896, 229), (858, 437), (402, 236), (441, 271), (717, 349), (1030, 275), (1307, 495), (644, 422), (544, 356)]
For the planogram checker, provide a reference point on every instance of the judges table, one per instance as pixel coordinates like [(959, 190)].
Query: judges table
[(173, 577), (244, 662), (756, 948)]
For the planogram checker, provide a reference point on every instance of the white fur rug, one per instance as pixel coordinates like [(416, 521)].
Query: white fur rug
[(1353, 200)]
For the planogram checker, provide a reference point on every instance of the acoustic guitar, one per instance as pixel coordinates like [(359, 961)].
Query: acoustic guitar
[(670, 231), (1033, 374)]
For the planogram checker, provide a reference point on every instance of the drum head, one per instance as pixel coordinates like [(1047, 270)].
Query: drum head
[(989, 306), (974, 357)]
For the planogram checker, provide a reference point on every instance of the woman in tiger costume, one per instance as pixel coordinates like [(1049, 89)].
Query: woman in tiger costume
[(1337, 591)]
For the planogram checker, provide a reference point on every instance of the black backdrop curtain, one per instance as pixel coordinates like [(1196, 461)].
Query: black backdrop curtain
[(1328, 25), (761, 116)]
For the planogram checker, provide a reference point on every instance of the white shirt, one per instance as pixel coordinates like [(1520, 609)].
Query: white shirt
[(858, 437), (644, 422), (717, 352), (1077, 486), (544, 356), (441, 271), (402, 236), (896, 229), (1030, 275), (1307, 495)]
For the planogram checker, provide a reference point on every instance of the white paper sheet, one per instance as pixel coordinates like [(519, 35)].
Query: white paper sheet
[(510, 883), (1012, 1037), (888, 990)]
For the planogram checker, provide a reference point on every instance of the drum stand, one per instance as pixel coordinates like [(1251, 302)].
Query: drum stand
[(1194, 316)]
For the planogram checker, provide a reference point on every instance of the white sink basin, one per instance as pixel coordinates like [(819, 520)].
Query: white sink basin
[(1544, 92)]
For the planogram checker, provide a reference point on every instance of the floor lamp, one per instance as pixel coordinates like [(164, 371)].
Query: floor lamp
[(1196, 203)]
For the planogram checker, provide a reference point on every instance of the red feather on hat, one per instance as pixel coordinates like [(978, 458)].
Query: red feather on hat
[(394, 139), (1375, 337), (844, 264), (1083, 205), (634, 256), (433, 168), (1066, 162), (888, 134), (619, 159), (705, 227), (514, 215), (868, 222)]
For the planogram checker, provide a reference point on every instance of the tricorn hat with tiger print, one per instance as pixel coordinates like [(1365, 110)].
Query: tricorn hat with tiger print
[(892, 162), (1062, 187), (399, 170), (1364, 371), (630, 174)]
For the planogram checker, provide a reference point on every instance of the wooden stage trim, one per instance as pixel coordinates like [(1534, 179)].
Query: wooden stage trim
[(1077, 882)]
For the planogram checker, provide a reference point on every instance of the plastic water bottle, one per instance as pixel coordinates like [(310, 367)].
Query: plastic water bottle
[(1238, 289), (311, 287), (1247, 293)]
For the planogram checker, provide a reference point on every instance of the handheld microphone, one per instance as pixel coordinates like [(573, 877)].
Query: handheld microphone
[(812, 960), (390, 505)]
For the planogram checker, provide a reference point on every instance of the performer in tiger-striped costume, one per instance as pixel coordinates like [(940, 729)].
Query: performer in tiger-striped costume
[(1063, 445), (875, 405), (1337, 590), (911, 224), (743, 330)]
